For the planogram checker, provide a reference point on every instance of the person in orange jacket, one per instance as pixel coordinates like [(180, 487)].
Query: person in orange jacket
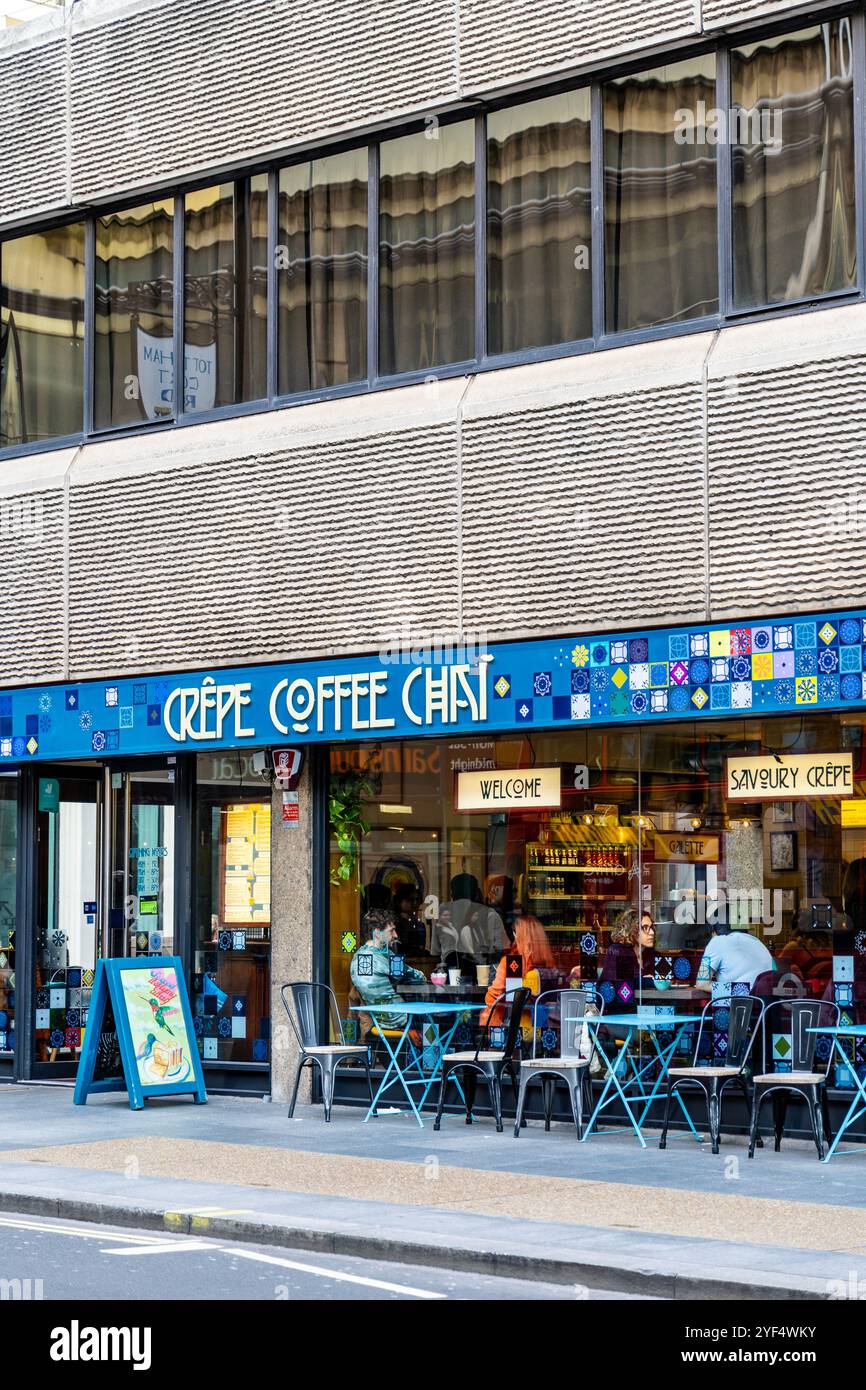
[(533, 947)]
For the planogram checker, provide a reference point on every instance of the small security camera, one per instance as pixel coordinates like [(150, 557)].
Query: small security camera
[(259, 762)]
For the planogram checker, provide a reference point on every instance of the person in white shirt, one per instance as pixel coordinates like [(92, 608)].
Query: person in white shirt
[(732, 958)]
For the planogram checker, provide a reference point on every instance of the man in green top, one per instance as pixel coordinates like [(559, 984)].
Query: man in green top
[(371, 966)]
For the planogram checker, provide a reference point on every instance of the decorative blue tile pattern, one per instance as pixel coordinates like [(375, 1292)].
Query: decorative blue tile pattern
[(811, 663)]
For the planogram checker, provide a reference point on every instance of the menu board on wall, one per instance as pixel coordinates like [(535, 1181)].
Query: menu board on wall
[(246, 864)]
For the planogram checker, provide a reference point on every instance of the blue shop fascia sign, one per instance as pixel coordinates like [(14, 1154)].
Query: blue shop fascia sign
[(799, 664)]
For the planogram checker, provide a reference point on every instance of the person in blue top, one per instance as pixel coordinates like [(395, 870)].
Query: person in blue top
[(733, 957), (372, 971)]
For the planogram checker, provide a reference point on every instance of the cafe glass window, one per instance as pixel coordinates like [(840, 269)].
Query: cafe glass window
[(134, 316), (622, 881), (42, 335), (8, 901), (427, 248), (539, 223), (231, 982), (793, 165), (322, 265), (660, 196), (226, 294), (458, 884)]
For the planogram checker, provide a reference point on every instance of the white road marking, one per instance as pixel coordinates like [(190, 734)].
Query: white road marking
[(154, 1245), (71, 1231), (334, 1274), (207, 1211), (168, 1247), (219, 1211)]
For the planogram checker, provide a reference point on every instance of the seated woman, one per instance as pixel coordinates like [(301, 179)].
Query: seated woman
[(630, 958), (533, 948)]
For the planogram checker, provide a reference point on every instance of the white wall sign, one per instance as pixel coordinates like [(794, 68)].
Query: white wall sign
[(787, 775), (516, 790)]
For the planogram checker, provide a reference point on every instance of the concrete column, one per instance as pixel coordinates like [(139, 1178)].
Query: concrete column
[(291, 929), (744, 857)]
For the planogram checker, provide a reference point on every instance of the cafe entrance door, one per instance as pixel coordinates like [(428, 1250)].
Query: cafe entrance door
[(105, 886), (68, 853)]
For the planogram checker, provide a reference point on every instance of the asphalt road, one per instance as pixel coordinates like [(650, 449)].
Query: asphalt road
[(74, 1261)]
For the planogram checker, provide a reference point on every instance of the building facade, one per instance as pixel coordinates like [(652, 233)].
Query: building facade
[(521, 411)]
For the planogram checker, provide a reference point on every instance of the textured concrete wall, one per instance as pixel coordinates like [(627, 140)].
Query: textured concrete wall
[(288, 533), (510, 40), (716, 13), (787, 464), (717, 475), (120, 94), (33, 119)]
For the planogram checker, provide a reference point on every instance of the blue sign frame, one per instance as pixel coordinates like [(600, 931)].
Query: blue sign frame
[(771, 666), (108, 987)]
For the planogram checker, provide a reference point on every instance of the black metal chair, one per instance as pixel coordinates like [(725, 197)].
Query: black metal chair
[(326, 1056), (744, 1020), (802, 1079), (569, 1066), (487, 1062)]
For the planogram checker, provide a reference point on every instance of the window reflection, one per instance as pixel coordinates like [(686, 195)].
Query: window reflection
[(650, 883), (322, 260), (539, 223), (226, 294), (42, 335), (427, 248), (134, 318), (793, 166), (8, 886), (660, 197)]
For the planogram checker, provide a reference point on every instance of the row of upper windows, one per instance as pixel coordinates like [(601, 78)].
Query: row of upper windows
[(88, 312)]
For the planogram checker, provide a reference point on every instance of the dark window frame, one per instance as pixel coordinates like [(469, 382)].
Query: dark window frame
[(476, 109)]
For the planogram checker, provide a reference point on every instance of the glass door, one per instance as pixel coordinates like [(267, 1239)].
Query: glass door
[(68, 845), (141, 863)]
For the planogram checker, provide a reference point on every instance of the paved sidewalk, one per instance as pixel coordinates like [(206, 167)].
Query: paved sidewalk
[(780, 1225)]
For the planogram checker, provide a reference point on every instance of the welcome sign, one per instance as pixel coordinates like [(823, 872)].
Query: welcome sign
[(524, 789)]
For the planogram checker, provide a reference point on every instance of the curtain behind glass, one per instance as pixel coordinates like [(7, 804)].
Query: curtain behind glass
[(793, 169), (134, 357), (539, 223), (660, 197), (42, 335), (225, 325), (427, 249), (323, 272)]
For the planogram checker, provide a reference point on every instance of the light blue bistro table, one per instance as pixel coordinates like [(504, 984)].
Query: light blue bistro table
[(844, 1030), (623, 1073), (394, 1072)]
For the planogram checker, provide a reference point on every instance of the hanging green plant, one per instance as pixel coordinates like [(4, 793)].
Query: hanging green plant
[(346, 799)]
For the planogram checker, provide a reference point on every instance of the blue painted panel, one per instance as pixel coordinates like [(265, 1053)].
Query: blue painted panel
[(632, 677)]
